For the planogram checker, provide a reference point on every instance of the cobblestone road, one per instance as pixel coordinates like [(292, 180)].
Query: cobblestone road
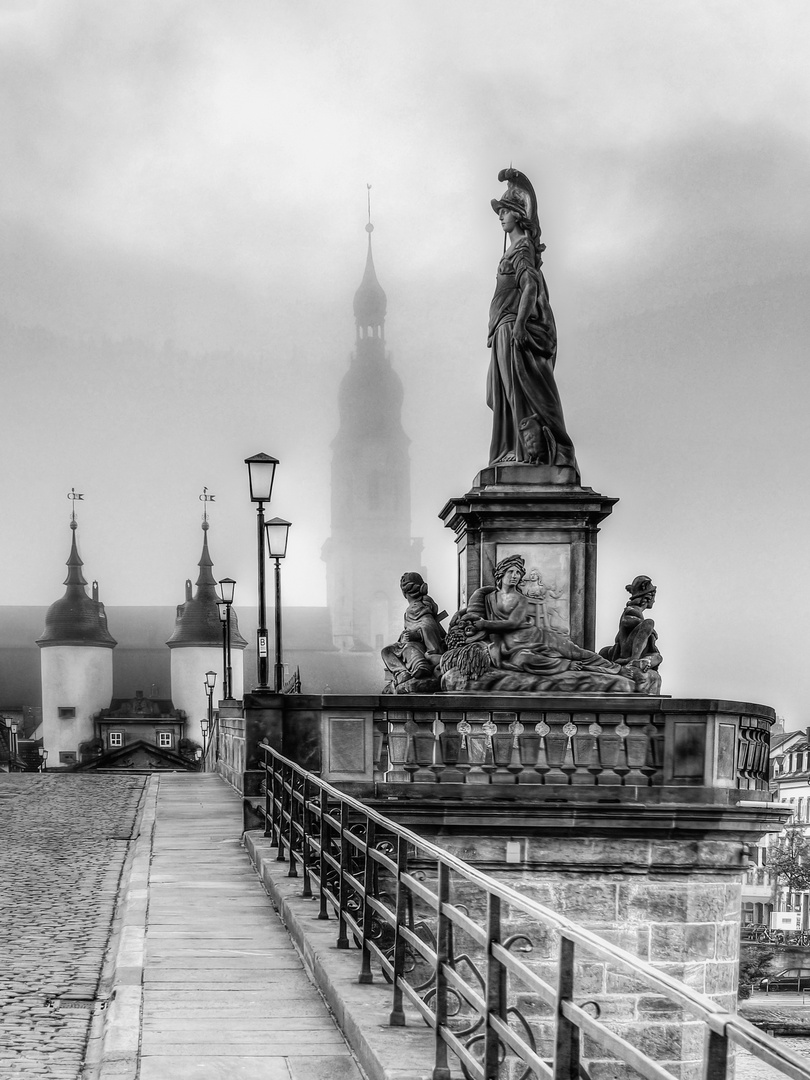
[(63, 841)]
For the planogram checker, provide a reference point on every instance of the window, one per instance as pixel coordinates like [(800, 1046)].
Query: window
[(67, 757), (116, 738), (66, 712), (165, 739)]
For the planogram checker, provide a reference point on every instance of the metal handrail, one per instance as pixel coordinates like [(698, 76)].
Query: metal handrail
[(293, 683), (349, 851)]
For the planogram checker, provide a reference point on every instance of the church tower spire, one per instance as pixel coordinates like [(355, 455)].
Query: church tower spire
[(370, 301), (370, 546), (196, 643), (76, 662)]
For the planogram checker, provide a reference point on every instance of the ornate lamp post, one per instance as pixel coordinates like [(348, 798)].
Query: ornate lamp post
[(210, 683), (277, 532), (226, 590), (11, 730), (204, 725), (261, 471)]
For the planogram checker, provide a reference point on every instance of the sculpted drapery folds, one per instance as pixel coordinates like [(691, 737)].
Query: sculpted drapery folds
[(412, 661), (527, 417), (499, 643)]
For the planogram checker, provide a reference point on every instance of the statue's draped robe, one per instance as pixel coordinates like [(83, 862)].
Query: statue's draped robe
[(521, 380), (545, 654)]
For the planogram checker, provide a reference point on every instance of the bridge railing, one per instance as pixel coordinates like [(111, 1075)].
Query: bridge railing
[(508, 986)]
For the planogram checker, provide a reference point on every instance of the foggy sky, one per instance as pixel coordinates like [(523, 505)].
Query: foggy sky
[(182, 209)]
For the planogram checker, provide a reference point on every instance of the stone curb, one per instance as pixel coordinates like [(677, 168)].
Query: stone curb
[(118, 1044), (361, 1011)]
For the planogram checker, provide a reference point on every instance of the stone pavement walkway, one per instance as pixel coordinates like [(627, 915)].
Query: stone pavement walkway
[(207, 982), (64, 839)]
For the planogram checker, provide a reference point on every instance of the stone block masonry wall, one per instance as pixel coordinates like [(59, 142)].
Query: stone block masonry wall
[(231, 762), (673, 901), (63, 842), (687, 929)]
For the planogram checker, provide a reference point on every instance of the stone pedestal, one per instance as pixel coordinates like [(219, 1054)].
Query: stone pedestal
[(661, 880), (541, 513)]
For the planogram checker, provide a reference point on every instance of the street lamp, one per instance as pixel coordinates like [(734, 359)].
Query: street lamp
[(277, 532), (210, 683), (204, 725), (11, 732), (43, 763), (8, 721), (226, 590), (261, 471)]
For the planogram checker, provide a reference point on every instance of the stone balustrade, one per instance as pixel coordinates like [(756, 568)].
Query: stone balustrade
[(588, 743), (573, 741)]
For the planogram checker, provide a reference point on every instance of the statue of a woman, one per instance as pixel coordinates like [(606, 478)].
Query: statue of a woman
[(502, 645), (527, 416), (412, 661)]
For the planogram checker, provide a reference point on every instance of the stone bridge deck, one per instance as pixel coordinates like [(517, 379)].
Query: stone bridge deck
[(207, 982)]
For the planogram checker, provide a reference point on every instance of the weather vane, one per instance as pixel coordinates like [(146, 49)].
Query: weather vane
[(369, 227), (73, 495), (205, 499)]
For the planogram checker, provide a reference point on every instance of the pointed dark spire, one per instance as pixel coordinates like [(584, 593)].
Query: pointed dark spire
[(76, 619), (74, 563), (198, 621), (370, 301), (205, 578)]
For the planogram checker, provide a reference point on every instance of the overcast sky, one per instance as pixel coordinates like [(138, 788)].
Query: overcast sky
[(182, 208)]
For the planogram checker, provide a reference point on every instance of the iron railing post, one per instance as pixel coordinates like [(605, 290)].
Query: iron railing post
[(495, 989), (715, 1057), (365, 975), (306, 818), (343, 889), (322, 863), (397, 1017), (269, 781), (441, 1069), (566, 1035), (292, 838), (280, 812)]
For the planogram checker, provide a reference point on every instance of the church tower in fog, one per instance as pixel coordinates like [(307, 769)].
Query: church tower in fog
[(370, 547), (76, 663)]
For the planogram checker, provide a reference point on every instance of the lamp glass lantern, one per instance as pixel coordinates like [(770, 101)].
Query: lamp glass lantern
[(222, 610), (277, 530), (204, 725), (210, 680), (261, 471), (8, 722), (226, 590)]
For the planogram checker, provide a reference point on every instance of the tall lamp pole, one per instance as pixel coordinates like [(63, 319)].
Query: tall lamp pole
[(277, 532), (261, 471), (11, 738), (204, 724), (226, 590), (210, 683)]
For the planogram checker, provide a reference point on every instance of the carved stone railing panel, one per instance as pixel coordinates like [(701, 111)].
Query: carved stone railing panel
[(577, 747)]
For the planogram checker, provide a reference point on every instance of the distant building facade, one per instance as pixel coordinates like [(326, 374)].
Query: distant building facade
[(762, 897), (370, 546)]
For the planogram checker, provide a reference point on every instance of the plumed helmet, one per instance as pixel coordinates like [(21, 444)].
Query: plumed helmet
[(519, 196)]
